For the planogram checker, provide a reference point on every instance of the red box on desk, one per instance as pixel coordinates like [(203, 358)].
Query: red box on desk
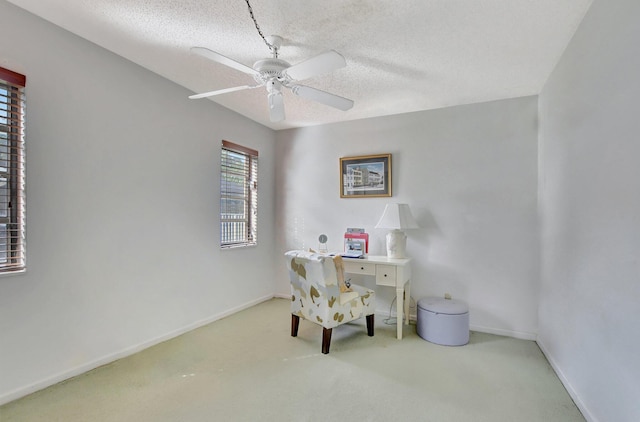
[(352, 240)]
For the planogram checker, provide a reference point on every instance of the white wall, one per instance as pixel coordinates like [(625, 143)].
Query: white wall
[(590, 214), (469, 174), (122, 205)]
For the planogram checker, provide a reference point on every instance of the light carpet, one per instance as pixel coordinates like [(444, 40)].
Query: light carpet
[(247, 367)]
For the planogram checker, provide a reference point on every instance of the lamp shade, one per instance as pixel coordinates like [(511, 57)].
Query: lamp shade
[(397, 216)]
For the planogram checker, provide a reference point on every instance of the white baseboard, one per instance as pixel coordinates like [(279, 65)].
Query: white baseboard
[(567, 385), (478, 328), (522, 335), (78, 370)]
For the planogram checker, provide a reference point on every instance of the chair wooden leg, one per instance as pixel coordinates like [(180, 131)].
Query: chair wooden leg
[(326, 339), (295, 322), (370, 321)]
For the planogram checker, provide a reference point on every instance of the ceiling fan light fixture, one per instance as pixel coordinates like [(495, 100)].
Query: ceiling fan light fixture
[(273, 99), (274, 87), (276, 106)]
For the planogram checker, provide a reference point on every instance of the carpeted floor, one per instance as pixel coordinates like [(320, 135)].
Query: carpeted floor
[(247, 367)]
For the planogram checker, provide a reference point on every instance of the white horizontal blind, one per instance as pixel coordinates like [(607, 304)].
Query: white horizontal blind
[(238, 196), (12, 172)]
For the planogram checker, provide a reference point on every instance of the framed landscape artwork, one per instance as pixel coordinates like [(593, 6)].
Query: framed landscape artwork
[(367, 176)]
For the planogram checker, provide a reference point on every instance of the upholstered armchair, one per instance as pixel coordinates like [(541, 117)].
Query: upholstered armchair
[(319, 294)]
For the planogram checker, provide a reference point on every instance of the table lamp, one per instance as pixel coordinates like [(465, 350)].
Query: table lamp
[(397, 217)]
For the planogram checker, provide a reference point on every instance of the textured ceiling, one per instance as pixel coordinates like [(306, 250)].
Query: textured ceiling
[(402, 55)]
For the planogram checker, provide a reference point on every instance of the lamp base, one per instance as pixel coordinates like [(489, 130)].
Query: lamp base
[(396, 244)]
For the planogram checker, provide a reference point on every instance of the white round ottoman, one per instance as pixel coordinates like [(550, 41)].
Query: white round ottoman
[(443, 321)]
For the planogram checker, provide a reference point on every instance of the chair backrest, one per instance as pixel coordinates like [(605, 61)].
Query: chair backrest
[(314, 284), (313, 269)]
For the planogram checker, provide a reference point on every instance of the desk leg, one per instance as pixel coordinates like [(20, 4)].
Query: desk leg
[(399, 310), (407, 302)]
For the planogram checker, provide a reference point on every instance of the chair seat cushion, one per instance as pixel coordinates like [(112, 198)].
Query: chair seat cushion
[(347, 296)]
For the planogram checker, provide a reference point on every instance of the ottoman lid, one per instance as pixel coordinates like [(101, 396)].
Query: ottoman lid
[(440, 305)]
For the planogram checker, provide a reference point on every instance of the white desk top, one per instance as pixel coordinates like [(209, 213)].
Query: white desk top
[(380, 259)]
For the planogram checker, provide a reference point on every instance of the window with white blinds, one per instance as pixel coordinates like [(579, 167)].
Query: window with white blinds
[(238, 196), (12, 172)]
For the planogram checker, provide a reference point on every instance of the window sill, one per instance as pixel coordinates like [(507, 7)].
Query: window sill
[(245, 245), (10, 273)]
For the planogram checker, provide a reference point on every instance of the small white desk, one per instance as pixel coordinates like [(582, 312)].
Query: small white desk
[(388, 272)]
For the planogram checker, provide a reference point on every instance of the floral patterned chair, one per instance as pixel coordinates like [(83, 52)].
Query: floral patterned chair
[(319, 294)]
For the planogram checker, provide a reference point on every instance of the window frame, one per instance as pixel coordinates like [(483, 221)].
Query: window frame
[(238, 229), (12, 128)]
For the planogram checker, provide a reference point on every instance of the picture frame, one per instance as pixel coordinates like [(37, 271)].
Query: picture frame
[(365, 176)]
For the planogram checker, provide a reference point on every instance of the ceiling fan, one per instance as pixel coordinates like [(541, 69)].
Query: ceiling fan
[(275, 74)]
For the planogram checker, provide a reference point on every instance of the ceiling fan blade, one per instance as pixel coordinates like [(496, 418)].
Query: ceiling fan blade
[(323, 97), (276, 107), (317, 65), (221, 91), (217, 57)]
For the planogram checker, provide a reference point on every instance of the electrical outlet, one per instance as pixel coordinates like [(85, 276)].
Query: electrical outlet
[(447, 296)]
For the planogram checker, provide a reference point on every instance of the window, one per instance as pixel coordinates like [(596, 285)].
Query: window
[(12, 175), (238, 196)]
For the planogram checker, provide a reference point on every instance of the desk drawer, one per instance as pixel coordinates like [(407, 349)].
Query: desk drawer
[(355, 267), (386, 275)]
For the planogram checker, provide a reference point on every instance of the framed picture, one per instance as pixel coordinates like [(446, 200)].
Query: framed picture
[(367, 176)]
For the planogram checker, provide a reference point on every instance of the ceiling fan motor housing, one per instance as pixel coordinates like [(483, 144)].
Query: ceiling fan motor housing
[(270, 69)]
